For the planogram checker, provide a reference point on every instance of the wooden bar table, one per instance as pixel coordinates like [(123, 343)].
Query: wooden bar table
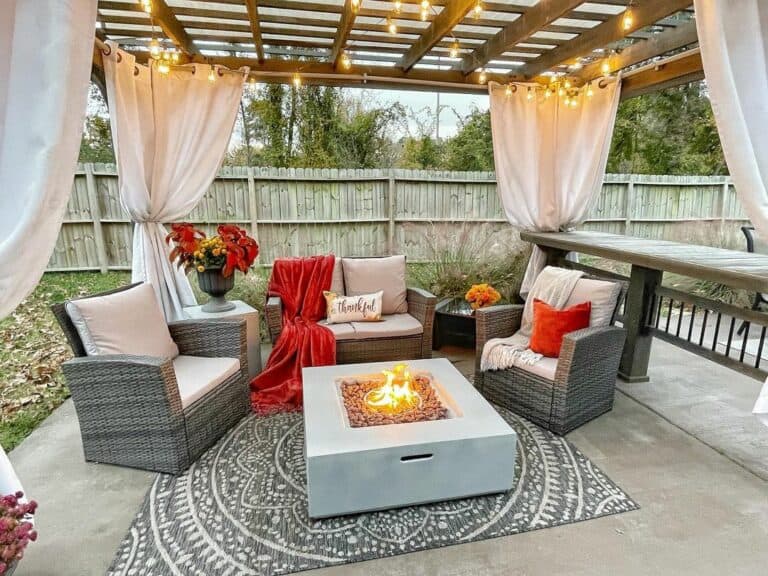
[(649, 260)]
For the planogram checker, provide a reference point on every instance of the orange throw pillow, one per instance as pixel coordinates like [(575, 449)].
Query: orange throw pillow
[(551, 324)]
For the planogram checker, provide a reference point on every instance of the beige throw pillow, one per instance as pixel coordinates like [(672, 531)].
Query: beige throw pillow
[(362, 308), (368, 275), (603, 296), (126, 322)]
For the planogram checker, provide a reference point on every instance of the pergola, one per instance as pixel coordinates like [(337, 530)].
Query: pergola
[(440, 45)]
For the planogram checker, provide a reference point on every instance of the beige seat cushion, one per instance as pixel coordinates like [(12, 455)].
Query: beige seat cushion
[(126, 322), (544, 368), (369, 275), (390, 327), (343, 331), (196, 375), (337, 280), (603, 296)]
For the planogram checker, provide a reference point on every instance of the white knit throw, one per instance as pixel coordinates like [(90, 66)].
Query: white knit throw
[(553, 286)]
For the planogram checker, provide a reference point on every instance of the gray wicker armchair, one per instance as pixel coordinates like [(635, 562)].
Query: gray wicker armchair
[(130, 408), (584, 380), (421, 305)]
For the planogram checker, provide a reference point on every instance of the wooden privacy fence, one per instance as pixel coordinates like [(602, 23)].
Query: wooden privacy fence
[(296, 212)]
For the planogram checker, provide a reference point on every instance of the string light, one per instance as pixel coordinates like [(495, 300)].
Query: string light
[(163, 67), (561, 91), (627, 20), (548, 93), (605, 67), (146, 5), (355, 5), (398, 6), (154, 48), (567, 84), (425, 6), (567, 101), (455, 49), (590, 92), (483, 76), (175, 57), (296, 80), (574, 100), (212, 75), (530, 94), (508, 90), (478, 9), (391, 26), (345, 61)]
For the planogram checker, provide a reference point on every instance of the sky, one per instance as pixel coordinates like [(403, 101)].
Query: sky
[(422, 105)]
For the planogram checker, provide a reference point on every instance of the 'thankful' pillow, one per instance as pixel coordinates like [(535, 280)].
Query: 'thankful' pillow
[(551, 324), (362, 308)]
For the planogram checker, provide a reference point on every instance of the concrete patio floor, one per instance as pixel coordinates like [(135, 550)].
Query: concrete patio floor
[(684, 446)]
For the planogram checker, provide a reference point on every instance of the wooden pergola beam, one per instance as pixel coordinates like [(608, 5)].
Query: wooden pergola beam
[(519, 30), (440, 27), (673, 71), (346, 23), (252, 6), (611, 30), (657, 45), (171, 26)]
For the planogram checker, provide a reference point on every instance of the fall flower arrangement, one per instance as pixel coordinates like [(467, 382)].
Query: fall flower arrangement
[(480, 295), (232, 249), (16, 530)]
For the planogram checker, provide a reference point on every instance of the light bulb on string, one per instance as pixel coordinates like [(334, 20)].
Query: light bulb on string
[(296, 79), (345, 61), (398, 6), (627, 20), (567, 101), (355, 5), (154, 48), (454, 49), (561, 91), (478, 9), (212, 75), (567, 84), (605, 67), (146, 5), (530, 94), (163, 67), (483, 76), (424, 14), (391, 26), (574, 100), (548, 93), (175, 57), (425, 4), (590, 92), (508, 90)]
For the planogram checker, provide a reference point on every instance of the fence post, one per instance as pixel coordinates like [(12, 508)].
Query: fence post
[(392, 209), (93, 206), (629, 202), (724, 191), (253, 205)]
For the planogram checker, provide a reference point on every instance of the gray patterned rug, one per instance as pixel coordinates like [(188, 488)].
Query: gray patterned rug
[(241, 509)]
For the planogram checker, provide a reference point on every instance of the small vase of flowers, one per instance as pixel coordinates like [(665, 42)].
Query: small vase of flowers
[(16, 530), (215, 259), (481, 295)]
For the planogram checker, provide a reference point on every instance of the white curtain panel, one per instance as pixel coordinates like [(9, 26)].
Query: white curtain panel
[(733, 38), (170, 134), (550, 158), (46, 49)]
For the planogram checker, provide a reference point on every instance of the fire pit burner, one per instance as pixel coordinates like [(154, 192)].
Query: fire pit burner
[(393, 397)]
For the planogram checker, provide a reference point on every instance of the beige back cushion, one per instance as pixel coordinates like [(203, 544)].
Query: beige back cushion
[(337, 280), (126, 322), (603, 296), (369, 275)]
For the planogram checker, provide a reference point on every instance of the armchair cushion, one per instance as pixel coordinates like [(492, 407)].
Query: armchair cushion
[(391, 326), (368, 275), (337, 280), (125, 322), (343, 331), (544, 368), (196, 375), (603, 296)]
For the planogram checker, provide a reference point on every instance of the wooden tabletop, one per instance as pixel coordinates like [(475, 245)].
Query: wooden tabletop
[(733, 268)]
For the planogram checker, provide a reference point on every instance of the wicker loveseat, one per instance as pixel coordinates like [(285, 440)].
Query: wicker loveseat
[(405, 336), (562, 393), (134, 411)]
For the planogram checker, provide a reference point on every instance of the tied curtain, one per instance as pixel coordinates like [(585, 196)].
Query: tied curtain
[(550, 158), (170, 132), (46, 48), (299, 283), (733, 39)]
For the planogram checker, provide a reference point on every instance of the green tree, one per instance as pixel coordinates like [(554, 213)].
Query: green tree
[(96, 143), (472, 146), (423, 153)]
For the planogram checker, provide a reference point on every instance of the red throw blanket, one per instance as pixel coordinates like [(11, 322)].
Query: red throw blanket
[(299, 282)]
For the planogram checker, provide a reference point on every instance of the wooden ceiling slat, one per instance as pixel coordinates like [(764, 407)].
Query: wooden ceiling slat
[(342, 33), (675, 71), (601, 36), (172, 27), (253, 17), (440, 27), (519, 30)]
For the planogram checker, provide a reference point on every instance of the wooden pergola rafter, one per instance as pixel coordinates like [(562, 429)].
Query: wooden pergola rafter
[(511, 41)]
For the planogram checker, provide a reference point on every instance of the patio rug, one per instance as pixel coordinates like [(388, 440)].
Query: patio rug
[(241, 509)]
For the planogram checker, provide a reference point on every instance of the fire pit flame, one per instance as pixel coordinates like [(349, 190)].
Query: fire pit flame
[(396, 395)]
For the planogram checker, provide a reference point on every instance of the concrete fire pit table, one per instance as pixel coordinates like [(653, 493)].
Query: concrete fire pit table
[(351, 470)]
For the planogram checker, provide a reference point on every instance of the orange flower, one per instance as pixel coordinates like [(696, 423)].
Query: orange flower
[(481, 295)]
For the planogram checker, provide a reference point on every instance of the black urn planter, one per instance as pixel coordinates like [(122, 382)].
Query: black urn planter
[(213, 283)]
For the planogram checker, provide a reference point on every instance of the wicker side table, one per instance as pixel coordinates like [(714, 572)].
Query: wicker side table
[(454, 324)]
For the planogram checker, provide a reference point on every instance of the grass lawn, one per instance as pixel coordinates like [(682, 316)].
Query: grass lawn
[(34, 347)]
